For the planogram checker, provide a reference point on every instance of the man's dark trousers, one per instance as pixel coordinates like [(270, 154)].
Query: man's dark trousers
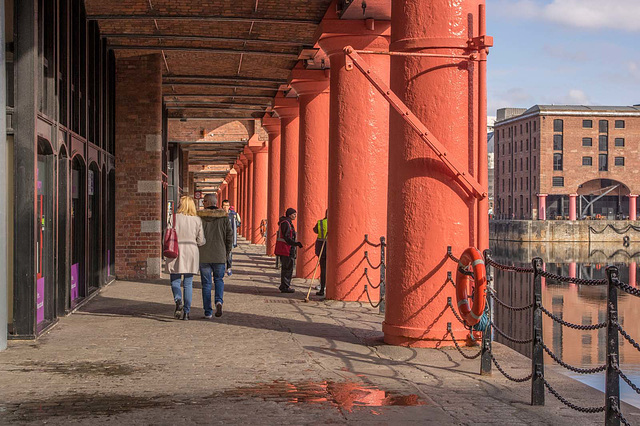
[(286, 272)]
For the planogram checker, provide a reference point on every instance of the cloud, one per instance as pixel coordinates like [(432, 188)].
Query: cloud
[(589, 14), (561, 52)]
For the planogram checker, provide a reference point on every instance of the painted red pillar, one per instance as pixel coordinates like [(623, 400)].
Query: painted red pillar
[(428, 210), (287, 109), (542, 206), (573, 206), (272, 126), (259, 196), (633, 269), (233, 181), (312, 87), (358, 153), (249, 210), (633, 202), (244, 216)]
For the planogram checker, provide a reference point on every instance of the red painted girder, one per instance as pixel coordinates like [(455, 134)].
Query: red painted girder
[(463, 178)]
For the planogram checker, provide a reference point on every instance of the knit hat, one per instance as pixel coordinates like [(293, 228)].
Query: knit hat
[(290, 211)]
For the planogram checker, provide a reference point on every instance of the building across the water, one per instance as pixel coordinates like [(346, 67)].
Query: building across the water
[(567, 162)]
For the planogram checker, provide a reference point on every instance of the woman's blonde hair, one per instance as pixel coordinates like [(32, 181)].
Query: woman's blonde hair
[(187, 206)]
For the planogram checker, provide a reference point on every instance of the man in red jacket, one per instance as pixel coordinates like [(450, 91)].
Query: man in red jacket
[(286, 249)]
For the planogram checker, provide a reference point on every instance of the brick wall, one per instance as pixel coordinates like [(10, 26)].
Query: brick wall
[(138, 166), (215, 130)]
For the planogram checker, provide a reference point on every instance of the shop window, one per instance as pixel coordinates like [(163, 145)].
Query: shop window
[(619, 142), (558, 125), (557, 181), (94, 215), (587, 124), (78, 214), (587, 142), (557, 142), (557, 162), (619, 124), (619, 161), (587, 161)]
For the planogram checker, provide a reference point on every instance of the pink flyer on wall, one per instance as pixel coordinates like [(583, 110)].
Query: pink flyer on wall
[(40, 301), (74, 281)]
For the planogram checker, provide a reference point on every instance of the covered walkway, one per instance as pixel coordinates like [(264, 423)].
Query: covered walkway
[(270, 359)]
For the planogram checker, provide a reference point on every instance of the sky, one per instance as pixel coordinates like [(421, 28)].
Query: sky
[(576, 52)]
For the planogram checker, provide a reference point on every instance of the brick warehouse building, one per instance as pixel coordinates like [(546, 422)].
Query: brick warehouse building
[(117, 108), (567, 162)]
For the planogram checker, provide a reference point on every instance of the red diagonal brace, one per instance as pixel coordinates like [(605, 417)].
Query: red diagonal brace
[(463, 178)]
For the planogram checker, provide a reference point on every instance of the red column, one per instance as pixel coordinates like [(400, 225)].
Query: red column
[(633, 202), (633, 269), (233, 181), (287, 109), (542, 206), (272, 126), (358, 155), (428, 210), (259, 196), (244, 216), (249, 210), (573, 207), (312, 87)]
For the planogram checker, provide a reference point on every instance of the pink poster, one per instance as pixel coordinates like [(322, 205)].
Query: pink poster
[(40, 301), (74, 281)]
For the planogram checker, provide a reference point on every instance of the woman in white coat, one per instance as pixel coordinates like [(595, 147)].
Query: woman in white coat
[(190, 235)]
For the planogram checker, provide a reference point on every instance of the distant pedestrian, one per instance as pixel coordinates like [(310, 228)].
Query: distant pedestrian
[(214, 254), (321, 251), (190, 235), (286, 249), (233, 220)]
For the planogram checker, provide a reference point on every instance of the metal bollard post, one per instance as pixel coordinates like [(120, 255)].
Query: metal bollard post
[(612, 381), (485, 358), (537, 352), (383, 272)]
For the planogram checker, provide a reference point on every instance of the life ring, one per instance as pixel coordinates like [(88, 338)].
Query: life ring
[(471, 270), (598, 217), (263, 227)]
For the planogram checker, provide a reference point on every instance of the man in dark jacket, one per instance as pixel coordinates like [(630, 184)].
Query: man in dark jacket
[(233, 220), (214, 254), (286, 249)]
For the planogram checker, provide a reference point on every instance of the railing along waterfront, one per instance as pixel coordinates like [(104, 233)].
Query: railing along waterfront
[(613, 373), (381, 267)]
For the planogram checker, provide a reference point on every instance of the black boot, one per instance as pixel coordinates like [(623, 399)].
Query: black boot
[(185, 316), (178, 312)]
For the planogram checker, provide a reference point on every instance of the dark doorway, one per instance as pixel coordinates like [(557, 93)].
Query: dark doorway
[(78, 203), (62, 300), (94, 216)]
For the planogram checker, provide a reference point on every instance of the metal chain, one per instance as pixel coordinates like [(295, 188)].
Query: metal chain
[(491, 293), (455, 342), (579, 281), (626, 379), (505, 374), (366, 256), (624, 421), (366, 275), (452, 257), (366, 240), (590, 410), (456, 314), (571, 325), (626, 336), (502, 333), (626, 287), (366, 290), (518, 269), (571, 367)]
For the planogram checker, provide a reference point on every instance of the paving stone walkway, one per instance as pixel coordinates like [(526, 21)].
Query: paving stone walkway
[(270, 359)]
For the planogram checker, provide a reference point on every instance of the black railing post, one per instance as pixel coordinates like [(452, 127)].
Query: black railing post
[(383, 272), (612, 382), (485, 358), (537, 352)]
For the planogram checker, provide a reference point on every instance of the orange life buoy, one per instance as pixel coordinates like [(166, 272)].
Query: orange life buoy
[(471, 261)]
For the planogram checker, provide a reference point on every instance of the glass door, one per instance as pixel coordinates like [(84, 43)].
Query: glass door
[(45, 251), (78, 203)]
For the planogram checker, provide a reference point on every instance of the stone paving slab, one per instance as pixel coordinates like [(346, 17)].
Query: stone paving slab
[(270, 359)]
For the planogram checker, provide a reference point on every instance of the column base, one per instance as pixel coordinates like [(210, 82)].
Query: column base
[(415, 337)]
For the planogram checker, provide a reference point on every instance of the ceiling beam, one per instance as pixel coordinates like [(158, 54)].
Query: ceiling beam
[(239, 118), (214, 18), (217, 85), (292, 56), (227, 78), (201, 38), (210, 142), (216, 95)]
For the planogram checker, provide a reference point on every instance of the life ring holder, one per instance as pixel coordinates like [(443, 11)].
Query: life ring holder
[(471, 271)]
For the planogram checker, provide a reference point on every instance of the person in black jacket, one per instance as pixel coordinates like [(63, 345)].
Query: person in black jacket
[(286, 249)]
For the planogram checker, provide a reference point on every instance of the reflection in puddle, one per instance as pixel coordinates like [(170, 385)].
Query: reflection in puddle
[(346, 395)]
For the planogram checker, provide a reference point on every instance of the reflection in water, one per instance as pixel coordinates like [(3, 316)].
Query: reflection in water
[(344, 395), (576, 304)]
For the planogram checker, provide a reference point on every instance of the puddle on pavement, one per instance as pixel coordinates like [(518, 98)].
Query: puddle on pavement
[(345, 395), (82, 368)]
